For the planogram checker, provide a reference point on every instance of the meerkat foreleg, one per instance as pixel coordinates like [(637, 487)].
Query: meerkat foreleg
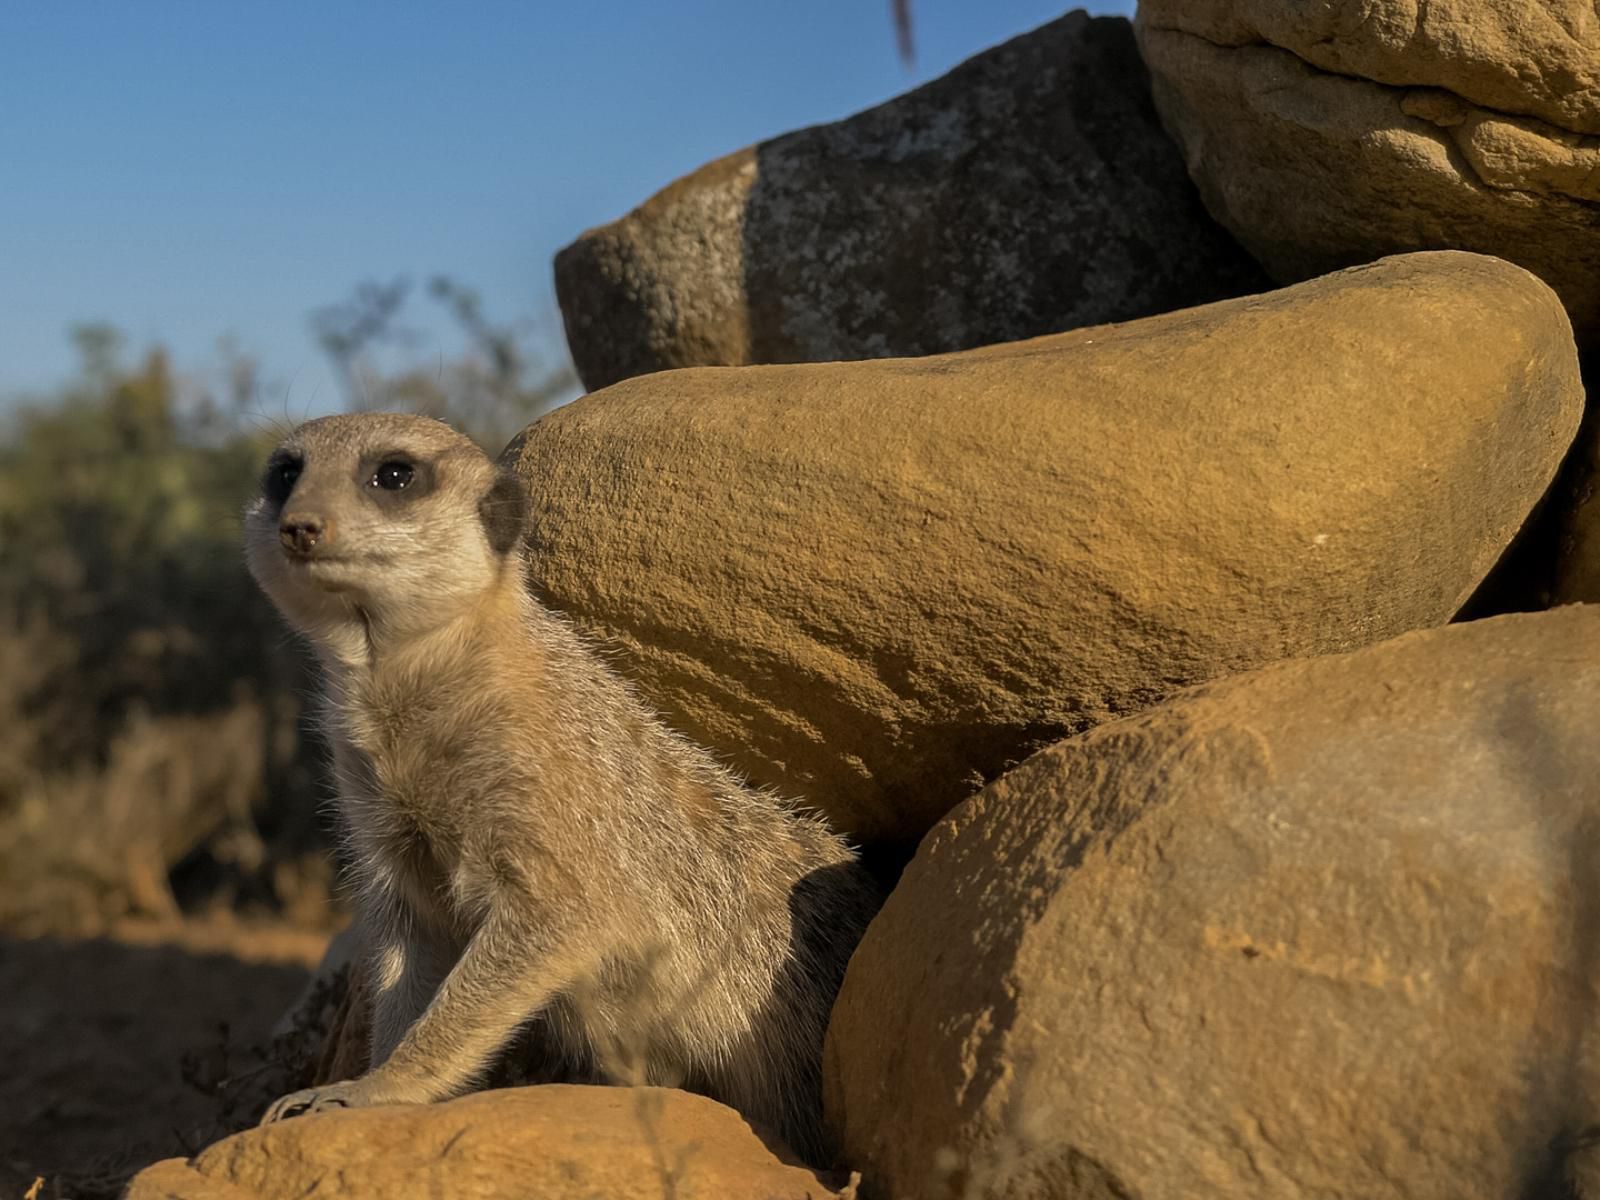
[(509, 972)]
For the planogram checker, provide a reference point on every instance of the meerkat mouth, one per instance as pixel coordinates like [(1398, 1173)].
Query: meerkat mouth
[(335, 574), (335, 560), (326, 572)]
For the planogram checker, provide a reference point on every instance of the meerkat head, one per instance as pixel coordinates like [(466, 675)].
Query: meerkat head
[(380, 521)]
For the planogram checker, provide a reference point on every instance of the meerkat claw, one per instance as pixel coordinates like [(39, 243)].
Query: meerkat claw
[(313, 1100)]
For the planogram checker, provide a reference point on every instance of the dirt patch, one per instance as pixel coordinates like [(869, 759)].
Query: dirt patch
[(95, 1036)]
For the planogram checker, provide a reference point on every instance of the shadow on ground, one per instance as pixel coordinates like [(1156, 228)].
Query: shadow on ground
[(95, 1036)]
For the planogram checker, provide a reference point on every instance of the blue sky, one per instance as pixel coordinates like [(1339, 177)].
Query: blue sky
[(189, 169)]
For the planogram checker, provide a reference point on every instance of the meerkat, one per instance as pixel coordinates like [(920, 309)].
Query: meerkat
[(528, 842)]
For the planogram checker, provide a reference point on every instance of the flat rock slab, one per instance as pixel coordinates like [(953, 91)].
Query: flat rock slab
[(876, 585), (1327, 929), (1536, 58), (552, 1142), (1324, 135), (1030, 190)]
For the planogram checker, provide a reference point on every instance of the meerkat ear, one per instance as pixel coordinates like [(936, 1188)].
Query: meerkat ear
[(504, 511)]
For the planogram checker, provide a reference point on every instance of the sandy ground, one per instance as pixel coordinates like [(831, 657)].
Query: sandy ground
[(94, 1035)]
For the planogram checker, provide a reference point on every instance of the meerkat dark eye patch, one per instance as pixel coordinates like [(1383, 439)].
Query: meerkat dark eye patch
[(504, 511), (396, 478), (282, 471)]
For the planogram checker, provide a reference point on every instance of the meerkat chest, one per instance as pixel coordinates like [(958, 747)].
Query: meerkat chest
[(424, 741), (413, 785)]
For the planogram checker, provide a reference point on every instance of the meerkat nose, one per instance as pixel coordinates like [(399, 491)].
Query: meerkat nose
[(301, 533)]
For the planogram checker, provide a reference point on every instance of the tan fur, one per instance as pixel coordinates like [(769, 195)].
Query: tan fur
[(527, 840)]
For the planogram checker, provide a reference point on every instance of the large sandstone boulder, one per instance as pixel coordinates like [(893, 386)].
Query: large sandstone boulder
[(1540, 58), (1329, 929), (1330, 134), (553, 1142), (877, 584), (1030, 190)]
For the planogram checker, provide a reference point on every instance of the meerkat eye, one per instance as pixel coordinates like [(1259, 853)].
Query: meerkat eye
[(393, 475), (280, 478)]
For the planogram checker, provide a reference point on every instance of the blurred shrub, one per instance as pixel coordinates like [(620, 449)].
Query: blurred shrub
[(148, 695), (153, 752)]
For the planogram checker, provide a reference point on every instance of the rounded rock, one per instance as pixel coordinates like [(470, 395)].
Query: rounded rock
[(876, 585), (1030, 190), (1328, 929), (554, 1142)]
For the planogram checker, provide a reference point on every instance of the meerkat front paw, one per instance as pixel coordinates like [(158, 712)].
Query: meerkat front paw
[(349, 1093)]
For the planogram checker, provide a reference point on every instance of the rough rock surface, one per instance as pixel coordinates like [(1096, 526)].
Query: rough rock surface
[(1030, 190), (1330, 134), (875, 585), (1537, 58), (551, 1142), (1328, 929)]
